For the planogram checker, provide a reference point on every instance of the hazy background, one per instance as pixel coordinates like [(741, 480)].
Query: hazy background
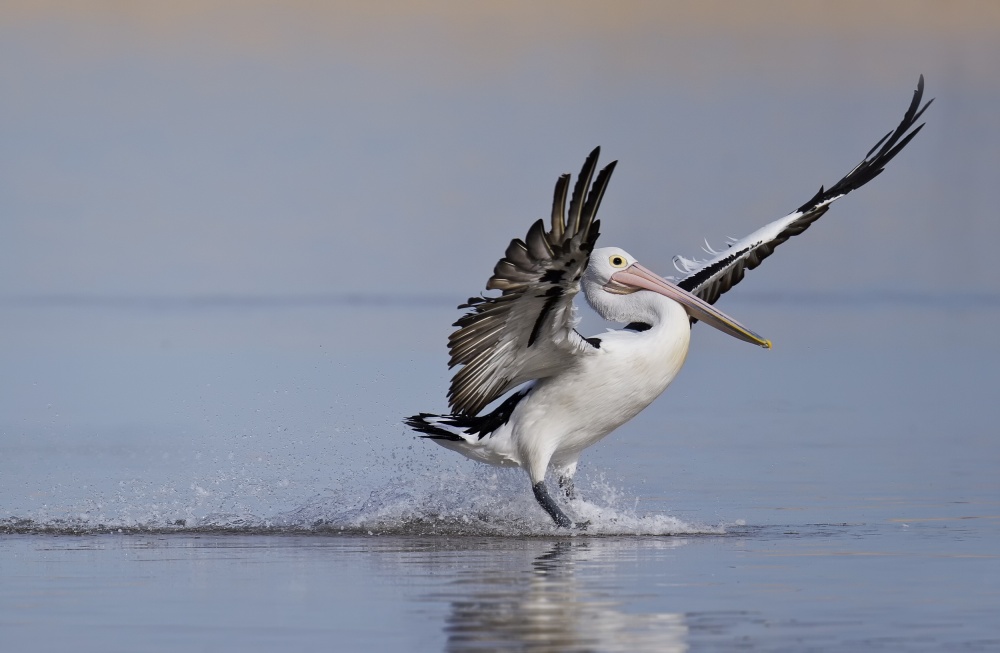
[(252, 148), (232, 236)]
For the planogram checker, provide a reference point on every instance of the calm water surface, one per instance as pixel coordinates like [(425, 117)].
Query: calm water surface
[(925, 586), (205, 478)]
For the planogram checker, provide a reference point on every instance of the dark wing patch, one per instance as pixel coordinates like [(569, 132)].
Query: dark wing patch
[(552, 297), (526, 332), (710, 279)]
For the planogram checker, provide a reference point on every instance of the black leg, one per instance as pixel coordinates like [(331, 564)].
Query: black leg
[(567, 486), (546, 502)]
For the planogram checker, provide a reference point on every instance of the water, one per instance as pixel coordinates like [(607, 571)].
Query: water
[(245, 487), (808, 587)]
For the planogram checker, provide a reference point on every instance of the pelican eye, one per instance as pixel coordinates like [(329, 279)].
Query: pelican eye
[(618, 261)]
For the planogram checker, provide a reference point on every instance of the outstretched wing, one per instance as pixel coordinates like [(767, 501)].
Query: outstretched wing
[(710, 278), (527, 332)]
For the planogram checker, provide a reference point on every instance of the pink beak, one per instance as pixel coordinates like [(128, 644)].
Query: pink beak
[(637, 277)]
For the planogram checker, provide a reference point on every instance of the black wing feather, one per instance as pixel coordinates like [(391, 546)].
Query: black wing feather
[(710, 279), (527, 331)]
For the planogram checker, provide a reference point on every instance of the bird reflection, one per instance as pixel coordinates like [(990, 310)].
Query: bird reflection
[(546, 607)]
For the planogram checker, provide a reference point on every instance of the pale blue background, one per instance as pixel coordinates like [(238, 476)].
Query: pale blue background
[(232, 236)]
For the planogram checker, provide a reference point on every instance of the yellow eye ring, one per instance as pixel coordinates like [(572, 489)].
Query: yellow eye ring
[(617, 261)]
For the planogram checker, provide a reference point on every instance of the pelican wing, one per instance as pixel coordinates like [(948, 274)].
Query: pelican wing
[(527, 331), (710, 278)]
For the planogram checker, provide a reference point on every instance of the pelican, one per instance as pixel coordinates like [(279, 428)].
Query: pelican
[(564, 392)]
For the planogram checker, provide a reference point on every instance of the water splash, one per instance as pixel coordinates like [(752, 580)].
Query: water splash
[(485, 501), (461, 501)]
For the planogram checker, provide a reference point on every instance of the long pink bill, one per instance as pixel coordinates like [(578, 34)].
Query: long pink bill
[(637, 277)]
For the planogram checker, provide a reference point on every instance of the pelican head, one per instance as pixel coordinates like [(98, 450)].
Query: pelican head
[(613, 283)]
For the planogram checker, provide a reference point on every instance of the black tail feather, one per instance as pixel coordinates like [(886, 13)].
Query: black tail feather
[(479, 426), (420, 424)]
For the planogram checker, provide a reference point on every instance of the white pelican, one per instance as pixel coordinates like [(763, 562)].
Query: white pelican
[(571, 391)]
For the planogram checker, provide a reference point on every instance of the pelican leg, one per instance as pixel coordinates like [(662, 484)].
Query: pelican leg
[(547, 504)]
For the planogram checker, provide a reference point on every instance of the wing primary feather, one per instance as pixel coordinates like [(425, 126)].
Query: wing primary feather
[(597, 194), (538, 244), (580, 190), (559, 208), (517, 253), (877, 145), (711, 278), (872, 166)]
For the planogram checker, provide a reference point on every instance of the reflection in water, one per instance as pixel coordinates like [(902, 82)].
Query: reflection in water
[(546, 607)]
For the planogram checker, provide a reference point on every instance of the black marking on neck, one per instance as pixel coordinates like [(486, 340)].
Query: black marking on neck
[(638, 326), (595, 342)]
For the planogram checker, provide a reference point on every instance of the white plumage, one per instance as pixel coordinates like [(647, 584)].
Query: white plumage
[(570, 391)]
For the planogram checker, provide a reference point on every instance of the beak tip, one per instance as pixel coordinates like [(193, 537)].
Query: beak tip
[(766, 344)]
